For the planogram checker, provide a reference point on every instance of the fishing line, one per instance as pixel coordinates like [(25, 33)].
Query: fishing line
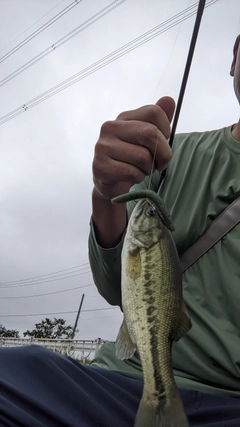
[(152, 168), (171, 54)]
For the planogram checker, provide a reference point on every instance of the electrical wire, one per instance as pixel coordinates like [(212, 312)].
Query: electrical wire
[(63, 40), (144, 38), (102, 317), (31, 26), (45, 281), (48, 293), (37, 314), (58, 312), (72, 319), (99, 309), (54, 273), (40, 30)]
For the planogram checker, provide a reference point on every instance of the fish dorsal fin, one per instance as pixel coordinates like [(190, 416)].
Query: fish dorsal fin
[(125, 348), (184, 325)]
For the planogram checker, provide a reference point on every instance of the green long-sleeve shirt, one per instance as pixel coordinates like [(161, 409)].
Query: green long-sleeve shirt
[(203, 178)]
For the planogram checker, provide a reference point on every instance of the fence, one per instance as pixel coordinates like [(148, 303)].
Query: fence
[(78, 349)]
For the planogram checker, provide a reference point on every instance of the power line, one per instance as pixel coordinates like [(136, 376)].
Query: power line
[(144, 38), (71, 319), (102, 317), (48, 293), (59, 312), (45, 275), (100, 309), (40, 30), (101, 63), (63, 40), (45, 281), (37, 314), (93, 296), (30, 26)]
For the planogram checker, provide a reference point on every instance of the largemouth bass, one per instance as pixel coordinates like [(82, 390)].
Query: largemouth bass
[(153, 308)]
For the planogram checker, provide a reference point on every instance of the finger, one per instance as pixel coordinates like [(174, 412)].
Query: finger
[(152, 114), (123, 152), (138, 133), (167, 104), (112, 172)]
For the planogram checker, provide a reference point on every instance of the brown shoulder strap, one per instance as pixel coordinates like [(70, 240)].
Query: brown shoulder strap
[(219, 228)]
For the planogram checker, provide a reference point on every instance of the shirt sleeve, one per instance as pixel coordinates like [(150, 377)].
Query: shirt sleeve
[(106, 268)]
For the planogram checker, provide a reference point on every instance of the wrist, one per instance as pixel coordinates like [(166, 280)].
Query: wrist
[(109, 220)]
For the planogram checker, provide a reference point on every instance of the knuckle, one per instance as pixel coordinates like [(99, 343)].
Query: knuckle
[(154, 112), (96, 168), (100, 147), (165, 157), (158, 116), (135, 176), (100, 155), (124, 115), (150, 133), (144, 158), (107, 128), (167, 132), (100, 169)]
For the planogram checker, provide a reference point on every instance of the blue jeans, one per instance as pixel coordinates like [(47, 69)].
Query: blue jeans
[(39, 388)]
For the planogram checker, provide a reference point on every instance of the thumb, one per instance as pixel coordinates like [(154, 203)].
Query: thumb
[(168, 105)]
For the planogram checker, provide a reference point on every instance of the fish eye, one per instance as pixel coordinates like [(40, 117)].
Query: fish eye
[(151, 211)]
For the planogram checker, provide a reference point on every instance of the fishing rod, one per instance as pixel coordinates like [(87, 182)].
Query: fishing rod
[(199, 15)]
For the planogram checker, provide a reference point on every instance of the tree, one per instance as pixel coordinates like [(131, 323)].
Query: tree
[(48, 328), (8, 333)]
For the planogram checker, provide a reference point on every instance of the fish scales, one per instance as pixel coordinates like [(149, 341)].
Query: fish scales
[(154, 311), (147, 300)]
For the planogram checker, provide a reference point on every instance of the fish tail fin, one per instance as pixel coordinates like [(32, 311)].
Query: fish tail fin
[(166, 414)]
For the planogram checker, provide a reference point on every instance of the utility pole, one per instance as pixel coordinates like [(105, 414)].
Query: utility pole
[(78, 314)]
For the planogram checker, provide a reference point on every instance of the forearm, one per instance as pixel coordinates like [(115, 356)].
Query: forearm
[(106, 268)]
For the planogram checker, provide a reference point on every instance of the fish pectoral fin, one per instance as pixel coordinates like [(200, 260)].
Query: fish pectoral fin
[(184, 325), (125, 348), (133, 264)]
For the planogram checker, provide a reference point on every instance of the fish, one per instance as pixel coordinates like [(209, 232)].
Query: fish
[(154, 312)]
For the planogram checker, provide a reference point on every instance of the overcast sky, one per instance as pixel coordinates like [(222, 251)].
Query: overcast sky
[(46, 151)]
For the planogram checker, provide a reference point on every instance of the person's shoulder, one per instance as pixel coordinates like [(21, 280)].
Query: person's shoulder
[(193, 138), (199, 134)]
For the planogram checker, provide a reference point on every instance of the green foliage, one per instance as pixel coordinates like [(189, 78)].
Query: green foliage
[(8, 333), (48, 328)]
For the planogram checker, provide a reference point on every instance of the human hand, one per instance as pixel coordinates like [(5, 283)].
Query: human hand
[(128, 146)]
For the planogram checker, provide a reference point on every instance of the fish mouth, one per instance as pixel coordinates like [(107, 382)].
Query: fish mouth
[(144, 207), (148, 196), (140, 208)]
